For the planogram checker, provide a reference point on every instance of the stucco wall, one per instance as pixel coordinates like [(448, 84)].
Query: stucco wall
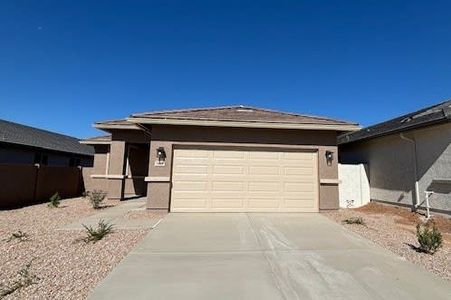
[(354, 187), (171, 136), (98, 168), (391, 165)]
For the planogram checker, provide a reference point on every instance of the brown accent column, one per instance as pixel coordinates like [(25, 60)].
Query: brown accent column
[(116, 170), (328, 191), (159, 178)]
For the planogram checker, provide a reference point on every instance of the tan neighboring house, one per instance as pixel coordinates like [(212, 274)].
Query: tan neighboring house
[(223, 159), (408, 157)]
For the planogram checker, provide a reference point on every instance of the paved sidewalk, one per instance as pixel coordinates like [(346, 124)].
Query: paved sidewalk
[(263, 256), (118, 215)]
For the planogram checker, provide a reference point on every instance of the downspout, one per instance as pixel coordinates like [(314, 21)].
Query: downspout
[(415, 171)]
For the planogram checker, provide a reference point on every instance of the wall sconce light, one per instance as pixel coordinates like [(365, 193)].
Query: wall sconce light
[(161, 154), (329, 157)]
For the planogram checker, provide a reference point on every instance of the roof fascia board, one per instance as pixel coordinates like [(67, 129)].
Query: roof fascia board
[(397, 130), (110, 126), (274, 125), (87, 142)]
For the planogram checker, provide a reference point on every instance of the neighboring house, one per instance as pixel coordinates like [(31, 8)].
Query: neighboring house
[(35, 164), (21, 144), (406, 156), (224, 159)]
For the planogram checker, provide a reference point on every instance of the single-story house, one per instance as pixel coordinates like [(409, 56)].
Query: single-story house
[(35, 164), (408, 157), (21, 144), (223, 159)]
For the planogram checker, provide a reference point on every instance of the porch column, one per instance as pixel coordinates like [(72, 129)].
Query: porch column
[(116, 170), (159, 177)]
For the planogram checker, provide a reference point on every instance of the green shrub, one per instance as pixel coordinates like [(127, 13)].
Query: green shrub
[(25, 279), (354, 220), (55, 200), (96, 197), (429, 237), (96, 234), (19, 235)]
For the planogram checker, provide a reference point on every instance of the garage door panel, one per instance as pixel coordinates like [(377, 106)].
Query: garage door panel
[(274, 194), (298, 171), (227, 170), (264, 156), (299, 204), (263, 203), (227, 203), (184, 169), (229, 155), (190, 177), (259, 186), (263, 170), (192, 203), (226, 186), (298, 187), (240, 181), (200, 186), (216, 195)]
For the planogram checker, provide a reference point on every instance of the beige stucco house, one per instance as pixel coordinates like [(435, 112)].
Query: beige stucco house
[(224, 159), (407, 157)]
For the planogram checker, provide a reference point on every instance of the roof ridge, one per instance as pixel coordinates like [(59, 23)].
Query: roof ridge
[(242, 106), (40, 129), (189, 109)]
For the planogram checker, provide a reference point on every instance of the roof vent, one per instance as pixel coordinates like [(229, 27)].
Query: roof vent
[(405, 120)]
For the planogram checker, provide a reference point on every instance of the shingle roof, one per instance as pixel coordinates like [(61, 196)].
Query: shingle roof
[(19, 134), (435, 114), (242, 114)]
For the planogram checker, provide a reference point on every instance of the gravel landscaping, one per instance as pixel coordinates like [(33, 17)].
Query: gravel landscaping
[(394, 228), (61, 265)]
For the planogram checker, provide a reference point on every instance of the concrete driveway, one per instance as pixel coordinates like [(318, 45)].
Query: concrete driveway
[(263, 256)]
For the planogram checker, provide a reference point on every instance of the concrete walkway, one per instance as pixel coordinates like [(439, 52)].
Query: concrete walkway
[(263, 256), (117, 215)]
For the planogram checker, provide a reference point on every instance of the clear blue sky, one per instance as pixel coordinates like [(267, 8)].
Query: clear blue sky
[(66, 64)]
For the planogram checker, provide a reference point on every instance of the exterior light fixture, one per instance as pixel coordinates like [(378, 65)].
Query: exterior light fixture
[(329, 157), (161, 154)]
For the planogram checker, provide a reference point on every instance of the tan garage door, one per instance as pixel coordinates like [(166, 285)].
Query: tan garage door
[(244, 181)]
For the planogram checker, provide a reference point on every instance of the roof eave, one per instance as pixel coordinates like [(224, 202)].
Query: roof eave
[(87, 142), (112, 126), (269, 125), (397, 130), (47, 148)]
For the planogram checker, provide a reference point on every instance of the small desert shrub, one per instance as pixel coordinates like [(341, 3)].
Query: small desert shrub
[(96, 234), (96, 197), (55, 200), (85, 194), (354, 220), (429, 237), (25, 279), (19, 235)]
